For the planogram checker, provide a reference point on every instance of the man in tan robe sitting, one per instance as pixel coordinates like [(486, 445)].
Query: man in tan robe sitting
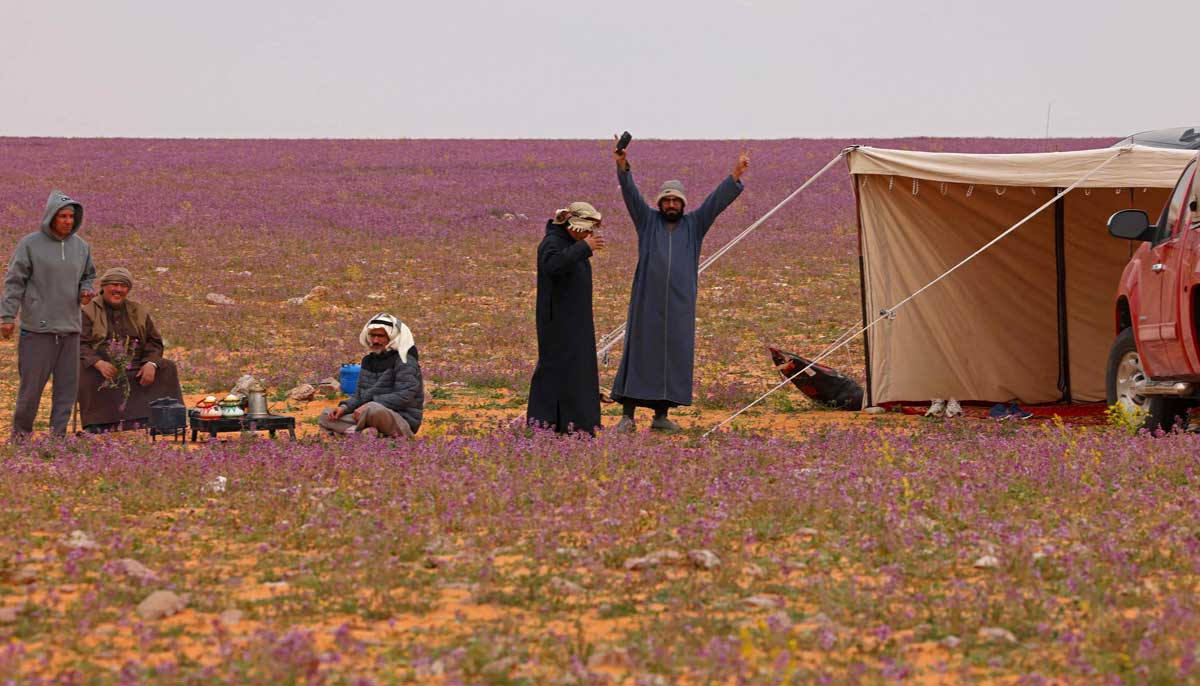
[(116, 328)]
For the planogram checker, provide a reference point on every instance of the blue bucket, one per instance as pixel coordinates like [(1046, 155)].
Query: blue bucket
[(349, 378)]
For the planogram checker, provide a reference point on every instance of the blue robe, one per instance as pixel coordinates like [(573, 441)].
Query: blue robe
[(660, 333)]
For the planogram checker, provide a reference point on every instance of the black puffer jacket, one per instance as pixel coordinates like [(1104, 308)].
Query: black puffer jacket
[(393, 383)]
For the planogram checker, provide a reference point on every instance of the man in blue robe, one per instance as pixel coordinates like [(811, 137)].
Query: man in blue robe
[(660, 332)]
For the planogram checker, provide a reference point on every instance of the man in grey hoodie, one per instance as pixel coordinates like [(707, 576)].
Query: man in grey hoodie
[(50, 276)]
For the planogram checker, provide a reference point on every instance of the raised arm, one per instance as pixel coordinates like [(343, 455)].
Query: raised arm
[(639, 211), (722, 196)]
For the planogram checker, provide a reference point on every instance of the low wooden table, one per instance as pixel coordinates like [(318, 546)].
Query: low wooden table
[(270, 423)]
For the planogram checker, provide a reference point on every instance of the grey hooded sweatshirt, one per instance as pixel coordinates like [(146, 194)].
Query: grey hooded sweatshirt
[(47, 274)]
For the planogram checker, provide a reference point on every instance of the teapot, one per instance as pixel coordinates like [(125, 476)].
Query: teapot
[(256, 401), (231, 406)]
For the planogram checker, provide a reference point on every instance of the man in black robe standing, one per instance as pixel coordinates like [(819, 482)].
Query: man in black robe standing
[(660, 332), (565, 394)]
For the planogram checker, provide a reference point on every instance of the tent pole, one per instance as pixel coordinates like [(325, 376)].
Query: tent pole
[(862, 295), (1060, 267)]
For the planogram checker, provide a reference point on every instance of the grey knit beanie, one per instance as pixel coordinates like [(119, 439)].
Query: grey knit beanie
[(671, 189)]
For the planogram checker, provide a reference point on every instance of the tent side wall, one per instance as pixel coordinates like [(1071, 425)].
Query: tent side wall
[(988, 331)]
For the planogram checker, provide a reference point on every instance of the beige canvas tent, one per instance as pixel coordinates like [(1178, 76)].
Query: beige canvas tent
[(1029, 320)]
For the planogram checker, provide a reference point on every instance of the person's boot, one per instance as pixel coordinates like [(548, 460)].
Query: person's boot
[(626, 425), (662, 422)]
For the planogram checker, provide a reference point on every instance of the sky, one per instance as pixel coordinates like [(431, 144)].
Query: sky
[(523, 69)]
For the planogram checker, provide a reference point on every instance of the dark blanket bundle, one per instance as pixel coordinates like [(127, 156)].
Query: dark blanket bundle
[(823, 384)]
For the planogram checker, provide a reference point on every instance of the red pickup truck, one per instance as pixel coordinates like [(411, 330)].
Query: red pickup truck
[(1154, 365)]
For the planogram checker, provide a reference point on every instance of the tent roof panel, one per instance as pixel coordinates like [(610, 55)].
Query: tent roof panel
[(1137, 166)]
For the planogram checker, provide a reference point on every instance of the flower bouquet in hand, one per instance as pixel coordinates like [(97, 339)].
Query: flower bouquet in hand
[(121, 352)]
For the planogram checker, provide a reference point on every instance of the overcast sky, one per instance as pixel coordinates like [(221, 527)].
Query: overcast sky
[(563, 69)]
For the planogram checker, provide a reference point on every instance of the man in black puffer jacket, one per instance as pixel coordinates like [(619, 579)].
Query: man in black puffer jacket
[(390, 396)]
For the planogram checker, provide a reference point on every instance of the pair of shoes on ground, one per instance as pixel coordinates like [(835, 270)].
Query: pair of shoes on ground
[(944, 408), (664, 423), (1002, 412)]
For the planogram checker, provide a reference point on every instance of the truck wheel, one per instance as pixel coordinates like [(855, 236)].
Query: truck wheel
[(1124, 373)]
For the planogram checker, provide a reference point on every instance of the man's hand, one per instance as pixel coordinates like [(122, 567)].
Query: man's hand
[(7, 328), (357, 414), (107, 369), (146, 374), (594, 242), (619, 155), (85, 296), (337, 412), (742, 164)]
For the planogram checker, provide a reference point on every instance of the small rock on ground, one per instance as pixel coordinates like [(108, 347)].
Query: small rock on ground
[(161, 604), (499, 668), (753, 570), (636, 564), (10, 614), (768, 602), (987, 562), (704, 559), (80, 541), (666, 556), (230, 617), (217, 485), (244, 383), (133, 568), (560, 585), (302, 393), (995, 634), (24, 576), (219, 299)]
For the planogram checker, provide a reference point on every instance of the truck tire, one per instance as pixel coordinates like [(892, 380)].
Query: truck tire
[(1124, 370)]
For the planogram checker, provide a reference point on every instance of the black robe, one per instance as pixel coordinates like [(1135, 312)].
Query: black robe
[(565, 390)]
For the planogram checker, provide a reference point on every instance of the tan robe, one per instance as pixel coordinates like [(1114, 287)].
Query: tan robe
[(101, 325)]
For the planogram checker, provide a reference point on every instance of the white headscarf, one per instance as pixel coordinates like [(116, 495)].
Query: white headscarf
[(400, 338)]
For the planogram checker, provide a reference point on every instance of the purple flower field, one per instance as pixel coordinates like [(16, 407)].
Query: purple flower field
[(955, 554), (874, 550), (442, 233)]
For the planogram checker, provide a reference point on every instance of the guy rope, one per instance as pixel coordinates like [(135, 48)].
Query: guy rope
[(890, 313)]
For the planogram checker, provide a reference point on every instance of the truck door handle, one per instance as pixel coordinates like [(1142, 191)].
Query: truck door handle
[(1157, 267)]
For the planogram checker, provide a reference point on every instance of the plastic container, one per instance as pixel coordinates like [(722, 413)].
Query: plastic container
[(349, 378)]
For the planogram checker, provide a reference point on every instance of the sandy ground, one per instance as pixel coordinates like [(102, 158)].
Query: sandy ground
[(479, 410)]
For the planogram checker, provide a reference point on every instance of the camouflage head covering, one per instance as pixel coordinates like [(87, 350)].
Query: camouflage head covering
[(579, 216)]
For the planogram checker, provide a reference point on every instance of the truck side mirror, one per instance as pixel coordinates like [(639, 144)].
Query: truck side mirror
[(1131, 225)]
